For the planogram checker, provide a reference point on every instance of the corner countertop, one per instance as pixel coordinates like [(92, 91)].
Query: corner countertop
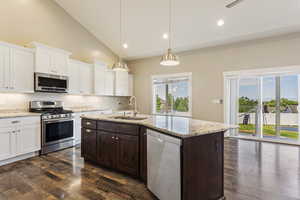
[(181, 127), (16, 113)]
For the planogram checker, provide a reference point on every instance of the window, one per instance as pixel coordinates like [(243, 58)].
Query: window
[(264, 103), (172, 94)]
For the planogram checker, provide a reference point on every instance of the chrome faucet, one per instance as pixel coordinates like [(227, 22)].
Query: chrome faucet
[(132, 101)]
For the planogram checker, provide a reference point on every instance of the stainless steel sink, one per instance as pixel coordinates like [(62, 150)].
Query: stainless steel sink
[(129, 118)]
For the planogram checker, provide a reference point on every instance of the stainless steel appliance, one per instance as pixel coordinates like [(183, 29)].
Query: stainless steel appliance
[(57, 125), (50, 83)]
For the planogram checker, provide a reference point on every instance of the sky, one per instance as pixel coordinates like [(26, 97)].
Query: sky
[(288, 88)]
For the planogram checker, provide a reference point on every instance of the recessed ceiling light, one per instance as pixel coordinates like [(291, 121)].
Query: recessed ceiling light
[(125, 45), (220, 22), (165, 36)]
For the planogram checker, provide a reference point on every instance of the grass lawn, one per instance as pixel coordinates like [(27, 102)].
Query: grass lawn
[(268, 130)]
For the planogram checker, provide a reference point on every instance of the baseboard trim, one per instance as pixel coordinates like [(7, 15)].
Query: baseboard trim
[(18, 158)]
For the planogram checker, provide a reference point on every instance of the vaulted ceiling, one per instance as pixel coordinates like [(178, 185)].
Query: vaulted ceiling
[(195, 22)]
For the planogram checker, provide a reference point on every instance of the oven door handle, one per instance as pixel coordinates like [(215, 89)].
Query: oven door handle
[(50, 121)]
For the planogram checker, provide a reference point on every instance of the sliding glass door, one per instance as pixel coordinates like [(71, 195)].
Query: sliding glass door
[(267, 107), (248, 104)]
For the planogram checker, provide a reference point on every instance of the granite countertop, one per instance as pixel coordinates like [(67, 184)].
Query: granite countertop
[(85, 109), (90, 109), (16, 113), (182, 127)]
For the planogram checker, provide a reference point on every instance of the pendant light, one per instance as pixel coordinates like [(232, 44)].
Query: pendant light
[(120, 65), (170, 59)]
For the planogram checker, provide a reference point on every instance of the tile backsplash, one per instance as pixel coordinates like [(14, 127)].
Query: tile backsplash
[(18, 101)]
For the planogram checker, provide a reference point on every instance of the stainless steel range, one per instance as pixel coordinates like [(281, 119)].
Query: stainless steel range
[(57, 125)]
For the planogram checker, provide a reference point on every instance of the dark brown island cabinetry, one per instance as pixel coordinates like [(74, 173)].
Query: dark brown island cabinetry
[(123, 147), (111, 145)]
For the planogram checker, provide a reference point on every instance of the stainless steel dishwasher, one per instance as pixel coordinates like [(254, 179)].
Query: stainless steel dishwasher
[(163, 163)]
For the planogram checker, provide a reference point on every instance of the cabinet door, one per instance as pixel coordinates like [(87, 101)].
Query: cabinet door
[(128, 154), (86, 79), (99, 81), (44, 63), (107, 148), (109, 83), (216, 164), (130, 85), (22, 71), (28, 138), (74, 78), (121, 81), (7, 143), (89, 144), (4, 67), (60, 63)]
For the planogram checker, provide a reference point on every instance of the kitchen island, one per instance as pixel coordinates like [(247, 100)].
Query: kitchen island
[(177, 157)]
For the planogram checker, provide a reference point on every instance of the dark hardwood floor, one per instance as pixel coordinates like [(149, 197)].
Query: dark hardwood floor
[(253, 170)]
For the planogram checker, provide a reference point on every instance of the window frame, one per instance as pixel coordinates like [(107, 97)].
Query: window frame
[(170, 76)]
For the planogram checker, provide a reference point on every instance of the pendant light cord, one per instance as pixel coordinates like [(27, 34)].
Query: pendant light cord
[(120, 30), (170, 23)]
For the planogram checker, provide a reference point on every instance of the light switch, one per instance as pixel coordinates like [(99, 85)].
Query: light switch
[(217, 101)]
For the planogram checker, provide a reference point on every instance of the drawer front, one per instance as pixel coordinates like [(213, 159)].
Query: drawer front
[(87, 123), (106, 126), (127, 129), (7, 122)]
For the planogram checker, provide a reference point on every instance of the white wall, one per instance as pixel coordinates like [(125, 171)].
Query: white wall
[(208, 65)]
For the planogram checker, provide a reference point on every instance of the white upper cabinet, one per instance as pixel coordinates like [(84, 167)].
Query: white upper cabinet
[(86, 79), (81, 79), (74, 77), (109, 83), (16, 68), (99, 78), (121, 83), (130, 85), (4, 67), (104, 79), (51, 60), (22, 71)]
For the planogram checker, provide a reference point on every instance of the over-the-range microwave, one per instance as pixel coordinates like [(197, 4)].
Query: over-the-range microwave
[(50, 83)]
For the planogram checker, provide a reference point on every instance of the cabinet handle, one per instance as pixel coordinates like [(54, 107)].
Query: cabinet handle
[(88, 130), (15, 122), (112, 137), (88, 123), (117, 138)]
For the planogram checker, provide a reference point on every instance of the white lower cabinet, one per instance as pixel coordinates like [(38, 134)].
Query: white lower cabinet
[(28, 139), (19, 136), (7, 143)]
